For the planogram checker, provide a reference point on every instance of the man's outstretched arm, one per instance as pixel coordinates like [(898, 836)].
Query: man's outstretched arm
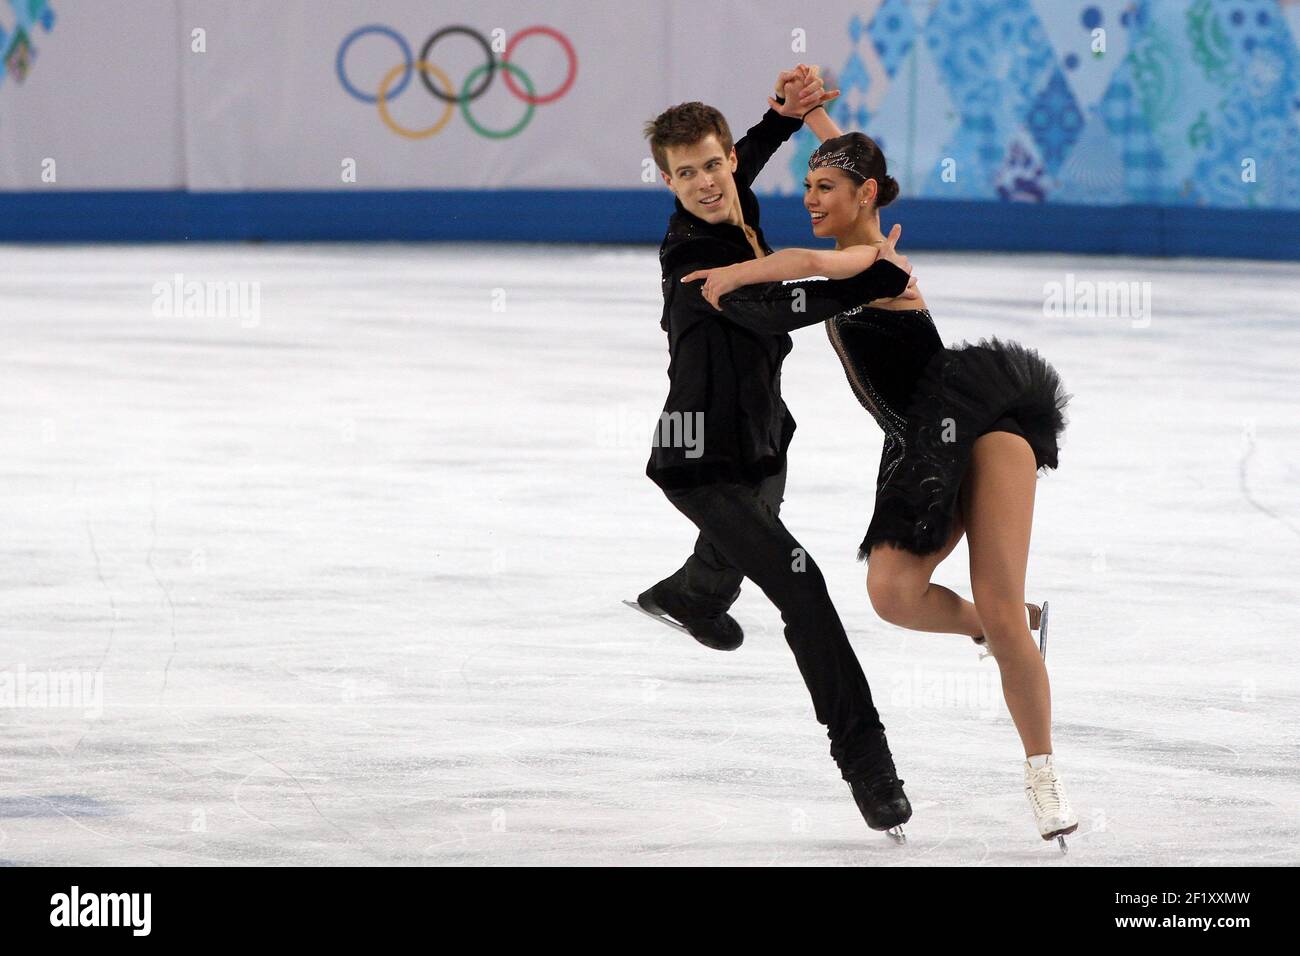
[(817, 120), (776, 307), (802, 89), (762, 140)]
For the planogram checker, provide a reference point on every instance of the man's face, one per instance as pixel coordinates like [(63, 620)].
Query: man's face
[(700, 175)]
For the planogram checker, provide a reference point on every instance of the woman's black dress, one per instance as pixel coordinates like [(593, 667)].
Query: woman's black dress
[(932, 403)]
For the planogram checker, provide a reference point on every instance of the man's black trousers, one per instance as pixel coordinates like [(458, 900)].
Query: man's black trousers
[(742, 536)]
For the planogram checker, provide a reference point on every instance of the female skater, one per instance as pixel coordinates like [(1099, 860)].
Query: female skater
[(966, 430)]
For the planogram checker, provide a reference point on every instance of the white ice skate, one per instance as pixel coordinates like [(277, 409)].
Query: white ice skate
[(1052, 810), (1037, 618)]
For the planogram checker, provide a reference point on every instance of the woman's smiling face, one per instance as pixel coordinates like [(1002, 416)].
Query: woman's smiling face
[(834, 201)]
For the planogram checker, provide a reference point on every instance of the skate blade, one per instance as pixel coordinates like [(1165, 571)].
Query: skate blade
[(897, 835), (1043, 631), (667, 621)]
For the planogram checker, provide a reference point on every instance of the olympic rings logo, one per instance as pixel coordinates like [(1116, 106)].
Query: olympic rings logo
[(474, 85)]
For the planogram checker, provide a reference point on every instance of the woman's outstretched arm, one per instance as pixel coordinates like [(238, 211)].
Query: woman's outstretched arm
[(817, 119), (783, 265), (820, 122)]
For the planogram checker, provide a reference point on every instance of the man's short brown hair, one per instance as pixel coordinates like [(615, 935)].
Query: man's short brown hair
[(685, 125)]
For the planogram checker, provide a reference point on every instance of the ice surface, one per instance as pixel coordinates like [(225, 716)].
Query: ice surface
[(352, 573)]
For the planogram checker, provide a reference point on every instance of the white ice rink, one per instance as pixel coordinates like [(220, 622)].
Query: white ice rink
[(350, 574)]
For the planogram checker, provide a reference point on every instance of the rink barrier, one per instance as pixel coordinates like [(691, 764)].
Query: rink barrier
[(624, 216)]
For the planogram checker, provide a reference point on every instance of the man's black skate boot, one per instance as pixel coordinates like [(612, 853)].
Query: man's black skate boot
[(718, 631), (879, 793)]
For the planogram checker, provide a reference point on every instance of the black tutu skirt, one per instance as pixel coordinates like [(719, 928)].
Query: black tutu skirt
[(961, 393)]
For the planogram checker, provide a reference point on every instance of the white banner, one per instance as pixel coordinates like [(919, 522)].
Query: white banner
[(90, 98), (236, 94), (1007, 100)]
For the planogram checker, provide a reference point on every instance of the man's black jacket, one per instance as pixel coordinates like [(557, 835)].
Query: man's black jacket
[(724, 419)]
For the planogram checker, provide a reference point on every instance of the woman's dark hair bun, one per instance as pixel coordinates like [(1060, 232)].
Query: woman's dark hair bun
[(886, 191), (860, 158)]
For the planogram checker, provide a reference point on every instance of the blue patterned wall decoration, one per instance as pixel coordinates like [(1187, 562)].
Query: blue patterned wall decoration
[(17, 53), (1191, 103)]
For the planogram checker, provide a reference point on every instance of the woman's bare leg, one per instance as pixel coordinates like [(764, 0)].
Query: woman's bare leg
[(999, 507), (898, 583)]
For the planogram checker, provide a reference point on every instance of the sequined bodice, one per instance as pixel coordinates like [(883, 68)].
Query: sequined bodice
[(883, 352)]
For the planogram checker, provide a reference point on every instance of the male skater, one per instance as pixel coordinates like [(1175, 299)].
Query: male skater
[(720, 452)]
